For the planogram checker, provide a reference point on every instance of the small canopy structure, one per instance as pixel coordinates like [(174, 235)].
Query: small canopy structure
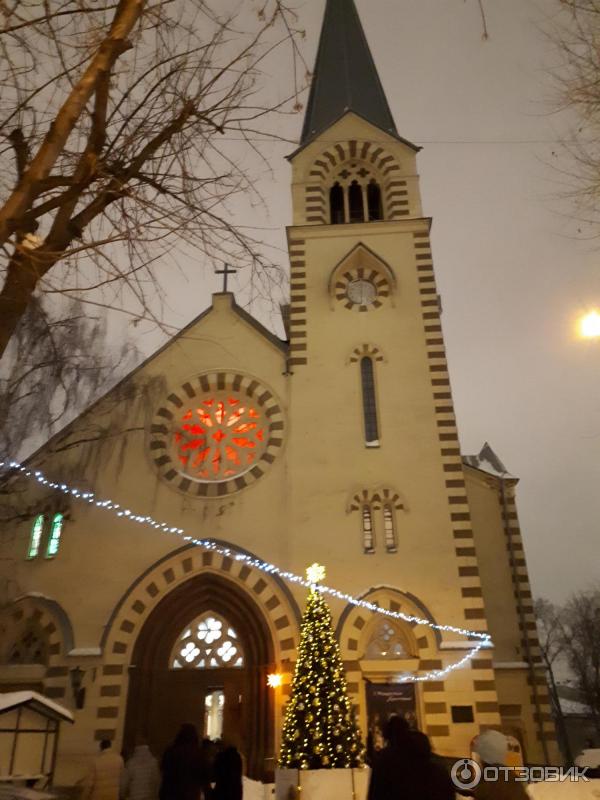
[(29, 731)]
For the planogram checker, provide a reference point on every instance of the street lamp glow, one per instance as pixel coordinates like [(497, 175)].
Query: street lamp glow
[(274, 680), (589, 325)]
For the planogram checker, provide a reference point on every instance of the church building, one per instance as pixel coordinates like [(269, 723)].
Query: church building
[(337, 445)]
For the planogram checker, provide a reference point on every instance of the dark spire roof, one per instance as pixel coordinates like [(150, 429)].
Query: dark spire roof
[(345, 77)]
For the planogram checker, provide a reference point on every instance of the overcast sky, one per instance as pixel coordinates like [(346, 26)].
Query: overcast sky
[(513, 273)]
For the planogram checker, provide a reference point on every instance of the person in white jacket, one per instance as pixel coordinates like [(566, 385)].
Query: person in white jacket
[(104, 776), (141, 777)]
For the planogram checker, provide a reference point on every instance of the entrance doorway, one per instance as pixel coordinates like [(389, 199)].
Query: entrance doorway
[(203, 657)]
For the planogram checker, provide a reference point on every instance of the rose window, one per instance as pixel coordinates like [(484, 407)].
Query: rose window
[(219, 437), (219, 433), (208, 643)]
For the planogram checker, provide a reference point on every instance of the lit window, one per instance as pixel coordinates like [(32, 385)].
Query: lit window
[(55, 534), (214, 703), (389, 529), (208, 643), (367, 529), (223, 436), (369, 402), (35, 541)]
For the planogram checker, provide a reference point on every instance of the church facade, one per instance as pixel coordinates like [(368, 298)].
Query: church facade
[(338, 445)]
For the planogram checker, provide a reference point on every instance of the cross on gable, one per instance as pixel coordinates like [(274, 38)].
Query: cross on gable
[(225, 272)]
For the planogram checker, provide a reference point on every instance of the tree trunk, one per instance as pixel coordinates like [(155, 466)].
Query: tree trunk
[(15, 296), (126, 16)]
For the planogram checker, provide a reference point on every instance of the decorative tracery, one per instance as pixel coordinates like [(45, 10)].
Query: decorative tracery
[(386, 641), (219, 437), (217, 434), (355, 195), (209, 642)]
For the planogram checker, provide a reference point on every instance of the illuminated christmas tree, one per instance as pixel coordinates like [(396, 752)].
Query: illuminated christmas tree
[(319, 731)]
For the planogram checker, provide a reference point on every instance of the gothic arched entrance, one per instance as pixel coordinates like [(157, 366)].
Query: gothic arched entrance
[(203, 656)]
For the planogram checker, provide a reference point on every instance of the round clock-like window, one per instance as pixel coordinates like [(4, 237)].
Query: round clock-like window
[(218, 434), (361, 292), (361, 288)]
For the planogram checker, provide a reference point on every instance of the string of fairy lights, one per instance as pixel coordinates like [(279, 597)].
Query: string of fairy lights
[(483, 640)]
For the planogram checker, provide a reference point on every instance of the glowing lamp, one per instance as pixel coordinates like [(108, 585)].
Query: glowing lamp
[(315, 573), (274, 680), (589, 325)]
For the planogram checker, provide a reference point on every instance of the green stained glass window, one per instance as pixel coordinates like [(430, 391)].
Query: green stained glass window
[(36, 536), (55, 533)]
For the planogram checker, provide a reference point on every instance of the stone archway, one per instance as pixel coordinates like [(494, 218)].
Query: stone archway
[(160, 699)]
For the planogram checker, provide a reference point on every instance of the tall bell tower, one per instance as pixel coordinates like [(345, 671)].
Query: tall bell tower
[(377, 487), (378, 491)]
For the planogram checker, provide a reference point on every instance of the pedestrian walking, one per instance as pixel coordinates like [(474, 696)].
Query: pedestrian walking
[(406, 767), (228, 774), (141, 777), (182, 767), (103, 779)]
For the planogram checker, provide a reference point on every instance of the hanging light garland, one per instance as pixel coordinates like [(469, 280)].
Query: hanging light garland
[(484, 639)]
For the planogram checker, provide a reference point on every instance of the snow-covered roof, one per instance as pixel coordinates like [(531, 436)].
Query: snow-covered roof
[(487, 461), (574, 707), (37, 702)]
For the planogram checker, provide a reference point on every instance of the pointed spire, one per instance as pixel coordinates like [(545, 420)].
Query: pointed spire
[(345, 77)]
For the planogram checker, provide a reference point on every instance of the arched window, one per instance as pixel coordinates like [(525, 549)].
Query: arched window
[(35, 541), (386, 641), (367, 530), (374, 203), (209, 642), (55, 534), (389, 529), (369, 402), (336, 204), (355, 202)]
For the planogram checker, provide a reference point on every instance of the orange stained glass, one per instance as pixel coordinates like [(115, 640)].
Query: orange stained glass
[(220, 438)]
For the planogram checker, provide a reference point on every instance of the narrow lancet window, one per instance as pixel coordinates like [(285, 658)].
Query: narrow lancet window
[(36, 536), (367, 530), (336, 204), (374, 203), (55, 534), (369, 402), (355, 202), (389, 530)]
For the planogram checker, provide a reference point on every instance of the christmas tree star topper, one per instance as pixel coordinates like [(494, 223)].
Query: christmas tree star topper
[(315, 573)]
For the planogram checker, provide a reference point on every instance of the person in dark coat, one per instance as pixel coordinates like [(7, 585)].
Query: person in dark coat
[(182, 767), (405, 768), (228, 775)]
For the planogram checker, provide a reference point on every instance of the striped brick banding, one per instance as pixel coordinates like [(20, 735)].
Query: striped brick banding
[(366, 351), (31, 619), (355, 629), (340, 162), (168, 416), (361, 263), (447, 432), (297, 321), (530, 646), (373, 276), (376, 498), (279, 611)]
